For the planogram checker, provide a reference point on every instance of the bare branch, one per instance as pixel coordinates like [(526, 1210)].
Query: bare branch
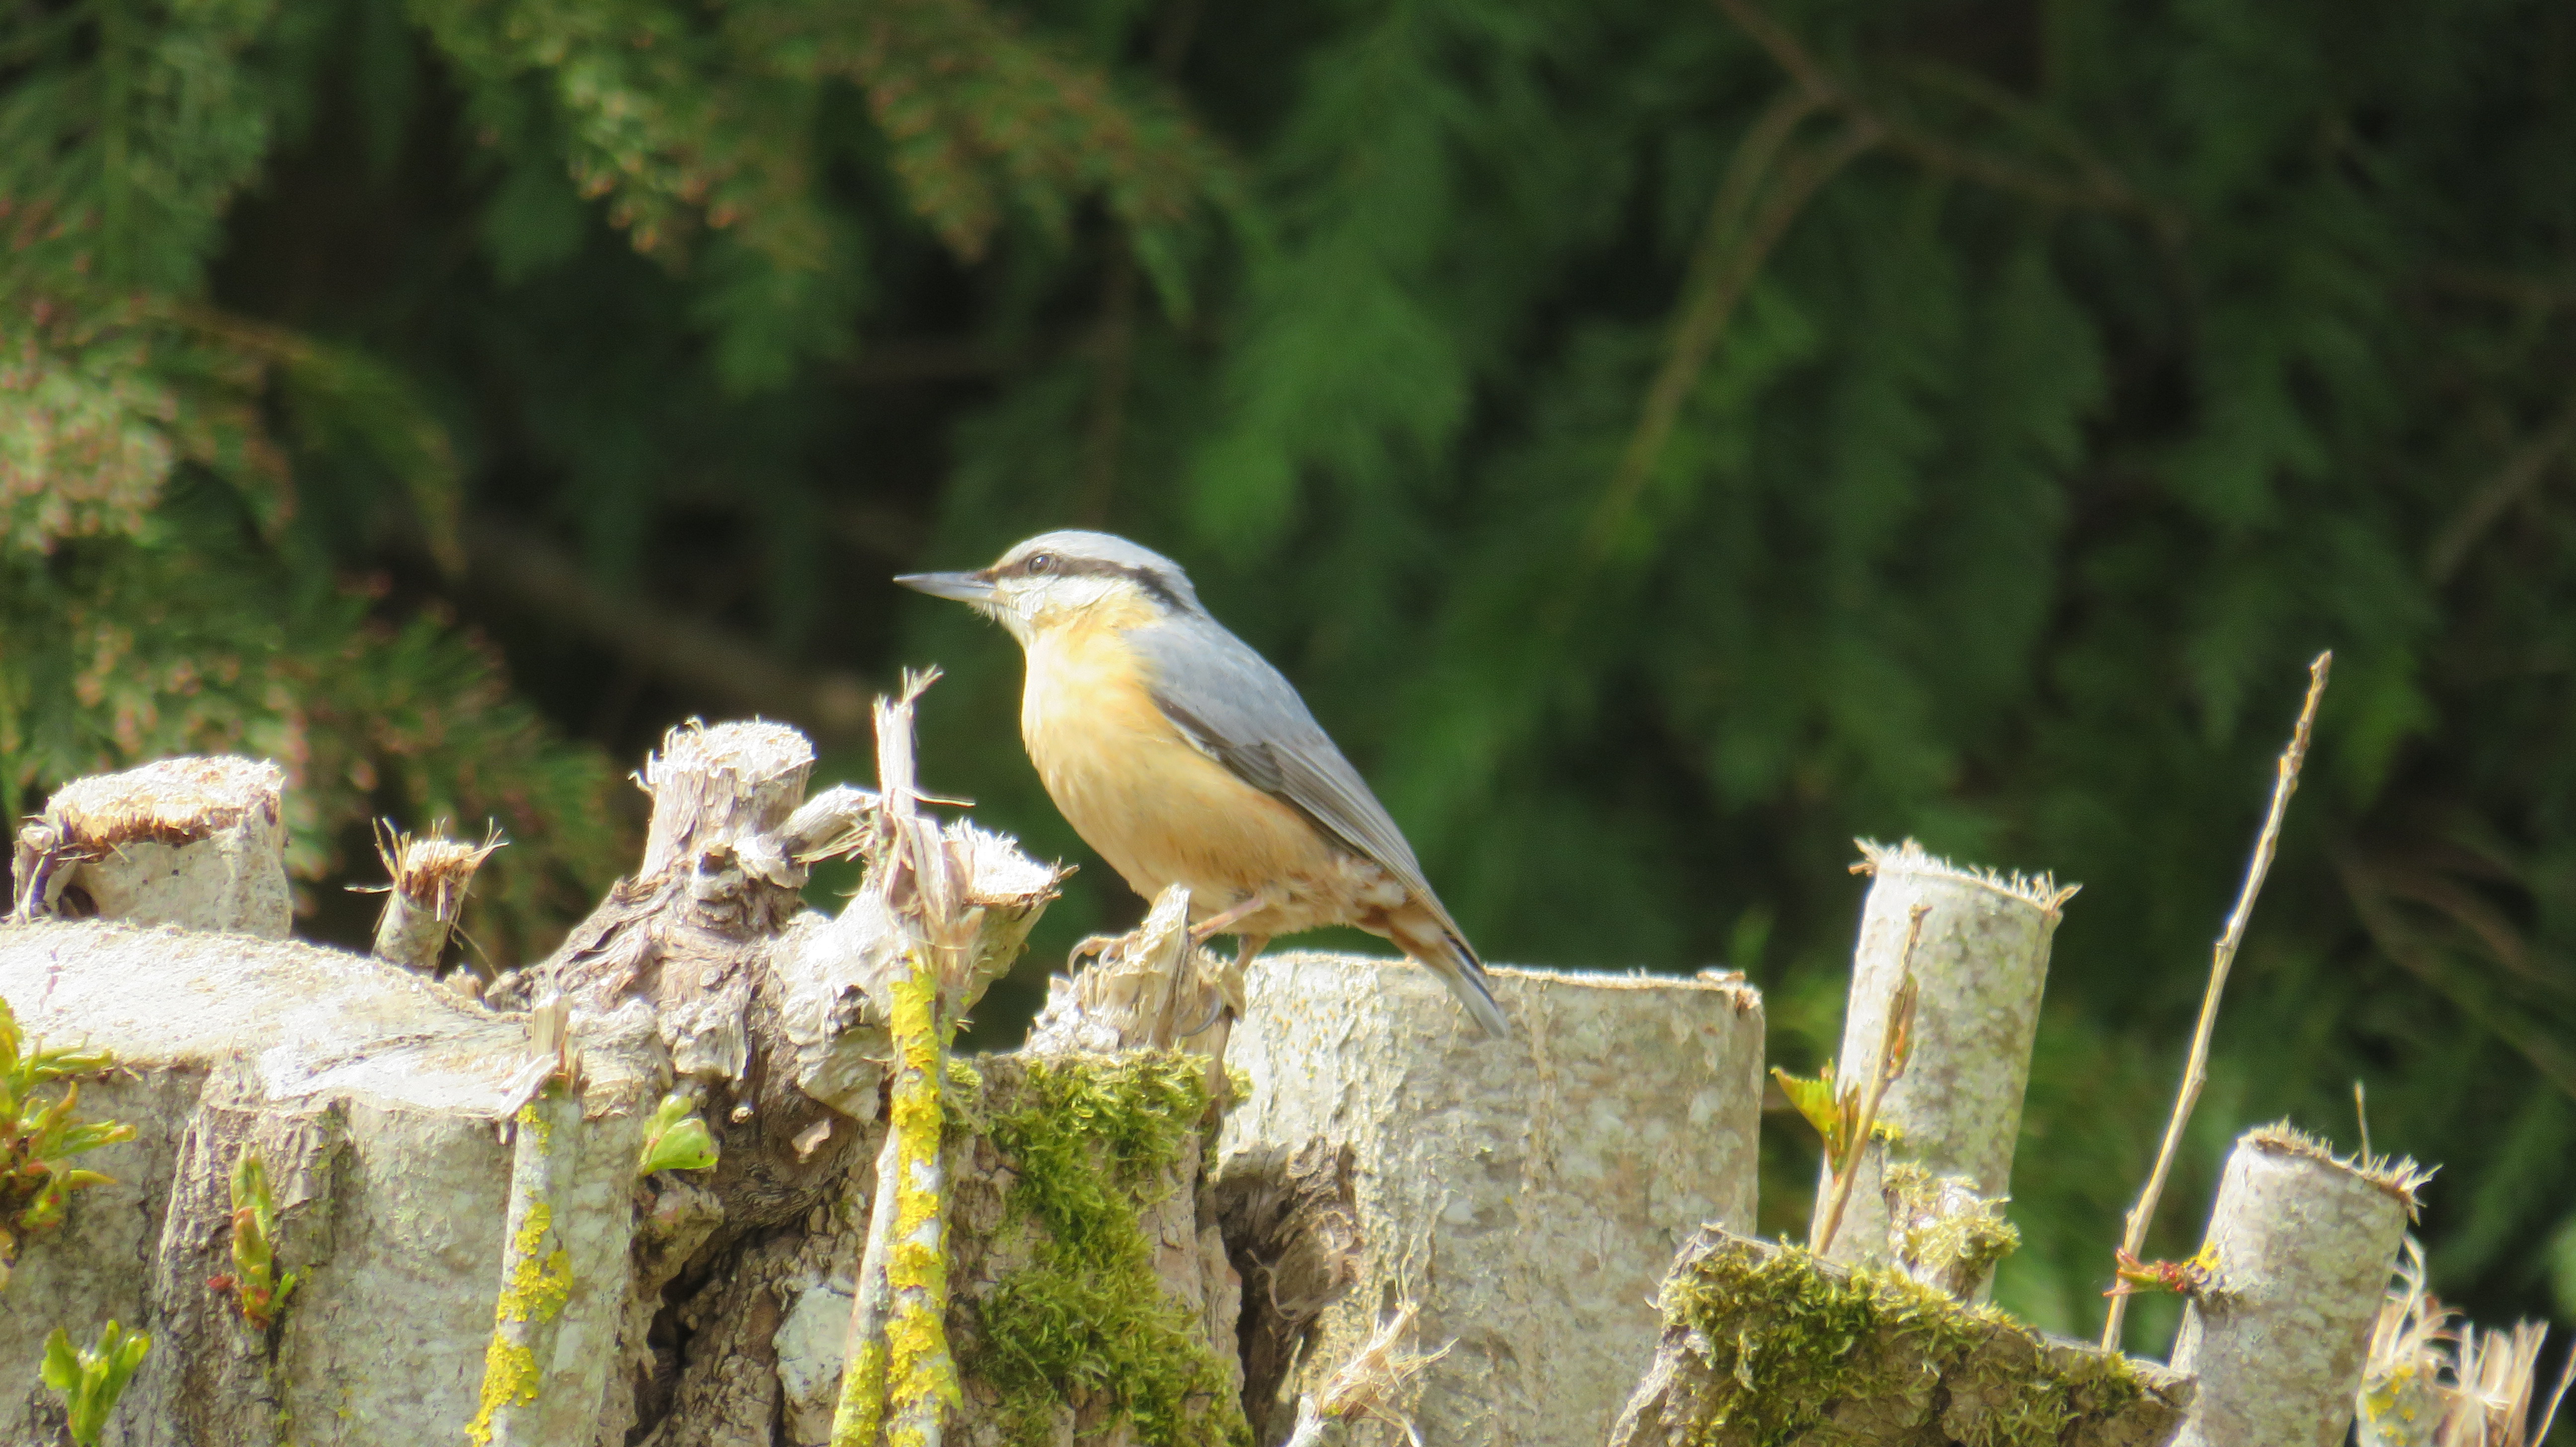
[(2196, 1074)]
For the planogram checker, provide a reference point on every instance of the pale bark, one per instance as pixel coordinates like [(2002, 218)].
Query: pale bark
[(373, 1097), (1979, 968), (2301, 1244), (1764, 1345), (1526, 1194), (381, 1104), (190, 841), (517, 1408)]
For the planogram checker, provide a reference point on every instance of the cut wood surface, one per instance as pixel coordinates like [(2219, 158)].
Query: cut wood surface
[(1526, 1194), (199, 842)]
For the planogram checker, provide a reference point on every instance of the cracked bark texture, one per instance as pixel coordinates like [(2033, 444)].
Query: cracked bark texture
[(1527, 1193), (1980, 966), (2304, 1243)]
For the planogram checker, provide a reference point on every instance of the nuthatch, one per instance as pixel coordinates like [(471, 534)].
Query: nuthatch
[(1184, 758)]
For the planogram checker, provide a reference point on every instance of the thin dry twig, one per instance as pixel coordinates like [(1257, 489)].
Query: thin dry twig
[(2285, 782), (1892, 1043)]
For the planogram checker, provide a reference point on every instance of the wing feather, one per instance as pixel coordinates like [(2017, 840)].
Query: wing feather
[(1240, 711)]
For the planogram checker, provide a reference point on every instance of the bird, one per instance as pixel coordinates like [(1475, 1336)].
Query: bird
[(1181, 756)]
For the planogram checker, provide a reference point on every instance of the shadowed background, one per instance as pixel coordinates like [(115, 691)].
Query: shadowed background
[(1663, 442)]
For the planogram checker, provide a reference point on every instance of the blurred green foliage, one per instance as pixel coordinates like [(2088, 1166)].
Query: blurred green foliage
[(1664, 442)]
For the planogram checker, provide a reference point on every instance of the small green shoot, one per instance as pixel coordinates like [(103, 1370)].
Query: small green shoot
[(1849, 1120), (40, 1134), (2196, 1279), (256, 1287), (91, 1381), (676, 1139)]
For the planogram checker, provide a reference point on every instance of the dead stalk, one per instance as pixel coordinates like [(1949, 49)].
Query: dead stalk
[(2196, 1074), (1890, 1064)]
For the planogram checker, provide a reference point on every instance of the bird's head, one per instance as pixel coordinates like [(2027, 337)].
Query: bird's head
[(1061, 577)]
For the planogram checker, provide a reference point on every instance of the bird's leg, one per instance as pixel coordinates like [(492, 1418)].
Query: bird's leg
[(1217, 924), (1090, 949)]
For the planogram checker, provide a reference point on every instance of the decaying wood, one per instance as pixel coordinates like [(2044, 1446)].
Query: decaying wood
[(198, 842), (1766, 1344), (1979, 968), (1151, 989), (2300, 1248), (1525, 1193)]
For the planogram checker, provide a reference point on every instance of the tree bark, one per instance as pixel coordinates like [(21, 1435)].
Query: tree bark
[(1979, 967), (374, 1098), (2301, 1246), (1526, 1194), (691, 1307)]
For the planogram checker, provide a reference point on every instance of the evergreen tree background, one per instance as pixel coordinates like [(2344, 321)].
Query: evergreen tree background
[(1664, 441)]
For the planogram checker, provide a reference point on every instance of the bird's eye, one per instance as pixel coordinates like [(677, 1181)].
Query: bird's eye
[(1040, 564)]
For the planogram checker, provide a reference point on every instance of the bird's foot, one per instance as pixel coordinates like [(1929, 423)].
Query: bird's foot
[(1090, 949)]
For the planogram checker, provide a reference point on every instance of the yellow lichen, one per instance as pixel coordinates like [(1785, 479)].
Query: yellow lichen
[(890, 1388), (510, 1379), (539, 1285)]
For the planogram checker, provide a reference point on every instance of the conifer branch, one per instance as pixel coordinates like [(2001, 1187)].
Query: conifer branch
[(1731, 250), (2101, 191), (2196, 1074), (542, 580), (2522, 471)]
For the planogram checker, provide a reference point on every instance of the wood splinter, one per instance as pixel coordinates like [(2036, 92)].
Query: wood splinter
[(431, 876)]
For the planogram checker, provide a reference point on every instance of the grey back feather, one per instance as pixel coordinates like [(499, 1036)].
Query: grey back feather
[(1239, 709)]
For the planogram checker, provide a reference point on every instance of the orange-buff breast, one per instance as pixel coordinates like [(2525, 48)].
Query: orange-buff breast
[(1156, 808)]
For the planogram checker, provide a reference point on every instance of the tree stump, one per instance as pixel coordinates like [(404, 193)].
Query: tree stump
[(1979, 968), (2300, 1249), (1525, 1194), (1766, 1346), (195, 842)]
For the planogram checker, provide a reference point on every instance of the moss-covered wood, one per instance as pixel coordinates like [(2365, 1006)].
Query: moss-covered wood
[(1085, 1191), (1765, 1346)]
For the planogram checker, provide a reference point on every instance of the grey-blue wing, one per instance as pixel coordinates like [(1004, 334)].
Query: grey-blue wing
[(1250, 718)]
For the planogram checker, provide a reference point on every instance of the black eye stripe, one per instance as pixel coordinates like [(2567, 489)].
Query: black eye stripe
[(1059, 565)]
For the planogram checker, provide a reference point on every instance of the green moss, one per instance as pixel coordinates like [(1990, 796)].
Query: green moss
[(1958, 1246), (1090, 1137), (1797, 1354)]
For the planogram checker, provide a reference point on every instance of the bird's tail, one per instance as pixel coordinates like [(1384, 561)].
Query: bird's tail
[(1439, 949)]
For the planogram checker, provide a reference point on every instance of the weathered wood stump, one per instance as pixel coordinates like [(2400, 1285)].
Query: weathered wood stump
[(2301, 1245), (1525, 1194)]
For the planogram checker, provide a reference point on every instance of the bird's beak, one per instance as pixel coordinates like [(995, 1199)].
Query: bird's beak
[(974, 588)]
